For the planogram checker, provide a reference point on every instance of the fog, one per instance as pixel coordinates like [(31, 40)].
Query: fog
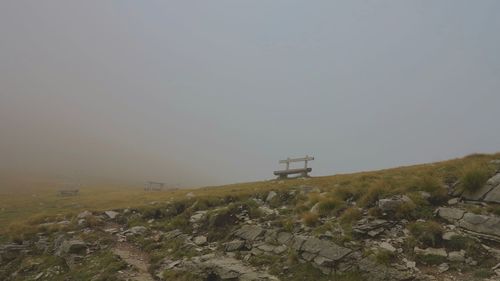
[(210, 92)]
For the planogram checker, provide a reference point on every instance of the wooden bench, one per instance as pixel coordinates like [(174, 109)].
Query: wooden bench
[(68, 192), (154, 186), (300, 172)]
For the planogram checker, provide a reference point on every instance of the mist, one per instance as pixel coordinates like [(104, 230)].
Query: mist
[(210, 92)]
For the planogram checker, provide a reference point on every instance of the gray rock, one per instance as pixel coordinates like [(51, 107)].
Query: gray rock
[(431, 251), (371, 228), (136, 230), (197, 217), (315, 208), (172, 234), (84, 214), (111, 214), (271, 195), (456, 256), (443, 267), (494, 194), (488, 225), (249, 232), (453, 201), (376, 272), (284, 237), (450, 214), (200, 240), (234, 245), (393, 203), (492, 186), (72, 247)]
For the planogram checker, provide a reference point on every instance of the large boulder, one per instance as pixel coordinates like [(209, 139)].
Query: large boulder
[(490, 192), (487, 225)]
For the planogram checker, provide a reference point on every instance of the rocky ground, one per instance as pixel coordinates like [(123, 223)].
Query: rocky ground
[(300, 233)]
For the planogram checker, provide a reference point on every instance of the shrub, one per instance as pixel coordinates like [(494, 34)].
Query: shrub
[(310, 219), (433, 186), (330, 206), (428, 233), (474, 178), (385, 257), (350, 215), (373, 194)]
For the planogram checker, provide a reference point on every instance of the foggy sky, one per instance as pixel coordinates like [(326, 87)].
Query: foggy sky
[(209, 92)]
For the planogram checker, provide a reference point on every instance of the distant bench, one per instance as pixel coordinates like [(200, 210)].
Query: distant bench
[(68, 192), (301, 172), (154, 186)]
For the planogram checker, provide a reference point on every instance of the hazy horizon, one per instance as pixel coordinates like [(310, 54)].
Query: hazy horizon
[(213, 92)]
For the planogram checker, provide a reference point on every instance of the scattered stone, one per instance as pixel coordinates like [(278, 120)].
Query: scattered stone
[(393, 203), (443, 267), (111, 214), (270, 196), (136, 230), (456, 256), (235, 245), (450, 214), (387, 246), (200, 240), (72, 247), (197, 217), (249, 232), (84, 214), (453, 201), (268, 211), (431, 251)]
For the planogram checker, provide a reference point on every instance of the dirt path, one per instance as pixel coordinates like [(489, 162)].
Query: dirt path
[(136, 258)]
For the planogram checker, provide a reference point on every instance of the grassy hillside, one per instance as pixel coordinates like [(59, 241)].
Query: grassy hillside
[(22, 207)]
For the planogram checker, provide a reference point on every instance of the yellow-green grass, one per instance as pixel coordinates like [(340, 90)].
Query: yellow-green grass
[(30, 204)]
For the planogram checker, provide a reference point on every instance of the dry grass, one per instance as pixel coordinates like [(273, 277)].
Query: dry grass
[(35, 202)]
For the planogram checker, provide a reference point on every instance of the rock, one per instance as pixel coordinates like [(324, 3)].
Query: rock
[(443, 267), (284, 237), (453, 201), (234, 245), (376, 272), (190, 195), (249, 232), (315, 208), (84, 214), (431, 251), (136, 230), (488, 225), (227, 268), (270, 196), (197, 217), (268, 211), (111, 214), (456, 256), (72, 247), (172, 234), (393, 203), (492, 186), (200, 240), (11, 251), (387, 246), (448, 235), (450, 214), (494, 194), (371, 228)]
